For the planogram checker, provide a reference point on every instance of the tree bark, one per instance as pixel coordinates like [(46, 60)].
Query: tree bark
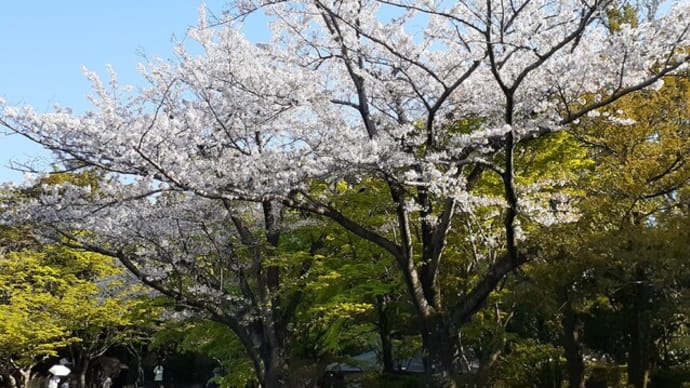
[(275, 369), (442, 353), (25, 377), (12, 381), (82, 373), (483, 376), (385, 335), (572, 348), (638, 359), (139, 368)]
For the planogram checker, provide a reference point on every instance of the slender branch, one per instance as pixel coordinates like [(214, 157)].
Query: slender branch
[(443, 97), (622, 92), (474, 300), (321, 209), (330, 18)]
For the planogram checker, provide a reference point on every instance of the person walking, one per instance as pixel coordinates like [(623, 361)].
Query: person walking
[(158, 376), (58, 371), (53, 381)]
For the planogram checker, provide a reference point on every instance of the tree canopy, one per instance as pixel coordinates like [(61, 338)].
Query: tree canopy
[(56, 301), (442, 109)]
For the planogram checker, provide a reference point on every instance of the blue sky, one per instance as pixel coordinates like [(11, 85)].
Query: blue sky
[(45, 43)]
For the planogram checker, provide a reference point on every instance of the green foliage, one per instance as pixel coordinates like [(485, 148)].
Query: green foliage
[(623, 14), (630, 185), (334, 317), (347, 278), (212, 339), (55, 297), (607, 375), (637, 203), (631, 238), (674, 377), (529, 364), (375, 380)]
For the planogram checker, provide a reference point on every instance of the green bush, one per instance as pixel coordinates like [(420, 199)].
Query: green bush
[(530, 364), (615, 376), (379, 380), (671, 378)]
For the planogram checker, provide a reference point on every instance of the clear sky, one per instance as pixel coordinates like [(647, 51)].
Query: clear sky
[(44, 44)]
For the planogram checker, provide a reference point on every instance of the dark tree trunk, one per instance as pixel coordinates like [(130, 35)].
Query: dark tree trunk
[(83, 371), (387, 353), (483, 376), (385, 334), (442, 353), (275, 369), (572, 348), (138, 368), (638, 358)]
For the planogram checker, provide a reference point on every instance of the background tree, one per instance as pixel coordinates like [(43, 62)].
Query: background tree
[(31, 328), (212, 339), (219, 260), (106, 311), (638, 202), (56, 299), (355, 297)]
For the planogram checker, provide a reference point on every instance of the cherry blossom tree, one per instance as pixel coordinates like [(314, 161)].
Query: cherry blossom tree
[(218, 260), (348, 90)]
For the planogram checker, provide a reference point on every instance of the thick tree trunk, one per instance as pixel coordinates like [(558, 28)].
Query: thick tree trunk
[(275, 374), (25, 377), (572, 348), (442, 353), (138, 368), (84, 370), (385, 335), (387, 352), (638, 356), (638, 364), (483, 376), (271, 365)]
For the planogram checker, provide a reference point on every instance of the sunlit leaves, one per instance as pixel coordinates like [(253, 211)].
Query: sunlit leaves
[(53, 297)]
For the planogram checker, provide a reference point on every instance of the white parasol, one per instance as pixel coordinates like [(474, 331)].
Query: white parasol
[(59, 370)]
